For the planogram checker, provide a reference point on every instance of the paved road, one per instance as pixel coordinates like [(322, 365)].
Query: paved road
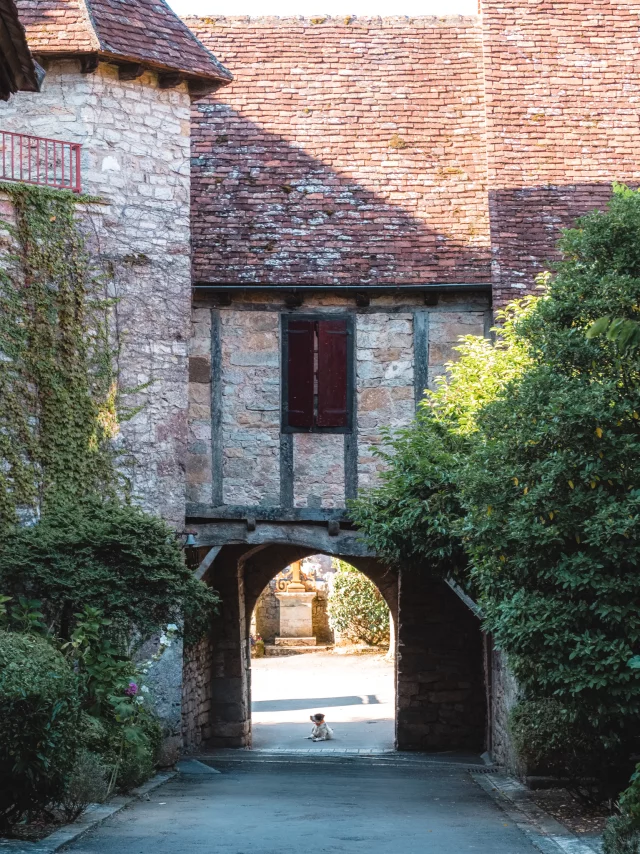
[(354, 691), (324, 806)]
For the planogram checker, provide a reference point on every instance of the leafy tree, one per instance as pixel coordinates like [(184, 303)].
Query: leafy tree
[(543, 491), (551, 492), (356, 607), (413, 516)]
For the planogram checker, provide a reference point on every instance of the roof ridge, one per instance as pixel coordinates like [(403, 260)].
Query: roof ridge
[(93, 32), (200, 44)]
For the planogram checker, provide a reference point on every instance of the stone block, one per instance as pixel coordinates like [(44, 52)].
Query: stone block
[(199, 369)]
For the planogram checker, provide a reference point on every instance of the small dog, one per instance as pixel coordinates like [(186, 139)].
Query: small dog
[(321, 731)]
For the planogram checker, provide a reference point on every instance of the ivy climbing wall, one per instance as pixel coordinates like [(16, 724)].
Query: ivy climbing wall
[(135, 158)]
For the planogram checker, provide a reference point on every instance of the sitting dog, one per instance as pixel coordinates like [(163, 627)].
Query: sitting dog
[(321, 731)]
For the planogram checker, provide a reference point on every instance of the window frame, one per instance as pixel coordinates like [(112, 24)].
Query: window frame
[(285, 427)]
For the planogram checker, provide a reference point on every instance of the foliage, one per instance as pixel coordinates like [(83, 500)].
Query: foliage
[(128, 754), (551, 739), (621, 836), (551, 491), (39, 716), (25, 615), (622, 331), (622, 833), (412, 516), (87, 784), (109, 556), (128, 736), (56, 382), (544, 493), (356, 608)]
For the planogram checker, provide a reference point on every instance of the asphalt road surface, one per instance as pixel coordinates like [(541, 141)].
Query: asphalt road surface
[(316, 805)]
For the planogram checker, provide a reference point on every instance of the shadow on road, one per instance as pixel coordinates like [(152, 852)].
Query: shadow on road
[(308, 702)]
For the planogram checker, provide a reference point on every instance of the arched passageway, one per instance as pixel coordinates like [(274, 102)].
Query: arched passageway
[(304, 662), (440, 697)]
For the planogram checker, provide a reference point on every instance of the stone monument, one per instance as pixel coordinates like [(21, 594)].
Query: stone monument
[(296, 615)]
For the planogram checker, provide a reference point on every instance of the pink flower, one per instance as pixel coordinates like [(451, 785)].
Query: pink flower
[(132, 690)]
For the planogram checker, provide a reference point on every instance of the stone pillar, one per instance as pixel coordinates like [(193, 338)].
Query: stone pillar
[(441, 703), (217, 700), (296, 619)]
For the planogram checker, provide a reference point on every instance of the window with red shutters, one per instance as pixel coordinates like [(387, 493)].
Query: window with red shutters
[(332, 373), (317, 363)]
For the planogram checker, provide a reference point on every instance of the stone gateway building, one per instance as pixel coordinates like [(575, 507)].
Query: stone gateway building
[(362, 193)]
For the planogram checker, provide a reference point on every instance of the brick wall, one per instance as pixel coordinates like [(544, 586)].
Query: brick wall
[(563, 96), (345, 151)]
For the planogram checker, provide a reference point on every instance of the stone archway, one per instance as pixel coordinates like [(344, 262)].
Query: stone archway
[(440, 697)]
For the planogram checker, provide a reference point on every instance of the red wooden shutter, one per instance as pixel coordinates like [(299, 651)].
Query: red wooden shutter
[(332, 373), (300, 373)]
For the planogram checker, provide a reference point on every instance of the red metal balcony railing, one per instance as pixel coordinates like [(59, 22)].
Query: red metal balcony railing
[(38, 160)]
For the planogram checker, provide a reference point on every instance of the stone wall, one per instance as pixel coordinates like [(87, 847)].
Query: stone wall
[(135, 157), (562, 98), (504, 696), (346, 151), (267, 613), (440, 685)]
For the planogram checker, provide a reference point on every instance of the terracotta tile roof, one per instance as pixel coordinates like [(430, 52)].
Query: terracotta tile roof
[(143, 31)]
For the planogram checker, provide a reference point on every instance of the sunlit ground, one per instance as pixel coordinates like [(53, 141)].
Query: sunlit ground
[(355, 692)]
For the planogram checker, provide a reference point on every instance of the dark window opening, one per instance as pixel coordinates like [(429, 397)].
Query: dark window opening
[(317, 374)]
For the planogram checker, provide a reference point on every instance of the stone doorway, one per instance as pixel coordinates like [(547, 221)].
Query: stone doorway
[(440, 701)]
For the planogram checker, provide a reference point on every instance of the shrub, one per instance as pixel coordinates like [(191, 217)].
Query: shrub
[(129, 750), (622, 833), (552, 739), (109, 556), (39, 717), (356, 607), (621, 836), (542, 495), (86, 784)]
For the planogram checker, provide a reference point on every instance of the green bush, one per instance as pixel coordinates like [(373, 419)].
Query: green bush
[(356, 607), (551, 739), (39, 718), (621, 836), (129, 753), (109, 556), (86, 784), (622, 833), (538, 483)]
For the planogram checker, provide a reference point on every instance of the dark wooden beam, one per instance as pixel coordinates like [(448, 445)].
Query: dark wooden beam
[(89, 63), (169, 80), (130, 70), (217, 451), (293, 300), (201, 513)]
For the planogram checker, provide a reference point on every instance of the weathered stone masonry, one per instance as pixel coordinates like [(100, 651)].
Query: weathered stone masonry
[(135, 158)]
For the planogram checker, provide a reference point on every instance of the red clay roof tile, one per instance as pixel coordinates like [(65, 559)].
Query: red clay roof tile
[(144, 31)]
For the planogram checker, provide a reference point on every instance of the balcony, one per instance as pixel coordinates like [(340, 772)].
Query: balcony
[(38, 160)]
